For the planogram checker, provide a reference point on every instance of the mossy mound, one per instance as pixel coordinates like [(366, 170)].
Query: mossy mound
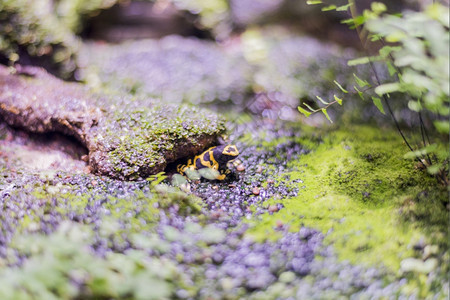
[(127, 138), (374, 206)]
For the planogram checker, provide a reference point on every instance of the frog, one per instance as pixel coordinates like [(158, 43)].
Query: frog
[(215, 158)]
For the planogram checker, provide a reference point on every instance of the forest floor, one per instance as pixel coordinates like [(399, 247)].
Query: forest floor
[(308, 211)]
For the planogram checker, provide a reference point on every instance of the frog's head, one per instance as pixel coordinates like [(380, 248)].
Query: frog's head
[(224, 153), (230, 151)]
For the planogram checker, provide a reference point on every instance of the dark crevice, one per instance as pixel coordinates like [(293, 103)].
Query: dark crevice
[(141, 20), (43, 142)]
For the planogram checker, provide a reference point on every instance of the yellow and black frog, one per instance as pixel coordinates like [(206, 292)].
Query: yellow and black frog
[(215, 158)]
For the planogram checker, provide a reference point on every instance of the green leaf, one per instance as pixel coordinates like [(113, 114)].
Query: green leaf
[(433, 169), (387, 88), (375, 37), (378, 104), (321, 100), (369, 15), (340, 87), (360, 94), (348, 21), (414, 105), (328, 8), (343, 7), (387, 50), (313, 2), (192, 174), (304, 111), (359, 61), (326, 115), (362, 83), (378, 7), (310, 108), (395, 36), (338, 100), (178, 180), (442, 126), (209, 173), (156, 179), (437, 12), (421, 152), (392, 70), (359, 20)]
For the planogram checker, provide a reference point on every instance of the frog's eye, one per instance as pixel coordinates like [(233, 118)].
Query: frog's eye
[(230, 150)]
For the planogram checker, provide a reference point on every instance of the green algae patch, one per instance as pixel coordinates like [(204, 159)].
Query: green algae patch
[(373, 205)]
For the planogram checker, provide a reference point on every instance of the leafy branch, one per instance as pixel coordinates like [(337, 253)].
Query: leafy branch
[(414, 48), (309, 110), (364, 86)]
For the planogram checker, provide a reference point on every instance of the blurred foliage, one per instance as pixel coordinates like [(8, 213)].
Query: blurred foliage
[(73, 12), (172, 69), (421, 58), (42, 32), (71, 262), (414, 46), (63, 266), (270, 71), (31, 32), (214, 14), (417, 57)]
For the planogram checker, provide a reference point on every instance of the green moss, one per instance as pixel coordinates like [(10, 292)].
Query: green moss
[(358, 189)]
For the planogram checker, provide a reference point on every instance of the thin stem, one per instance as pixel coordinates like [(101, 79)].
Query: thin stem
[(392, 114), (389, 108), (423, 130), (424, 133)]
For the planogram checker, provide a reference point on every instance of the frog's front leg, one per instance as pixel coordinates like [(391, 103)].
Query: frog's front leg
[(221, 177)]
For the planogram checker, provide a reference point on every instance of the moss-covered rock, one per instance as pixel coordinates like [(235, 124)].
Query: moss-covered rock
[(140, 141), (127, 138)]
